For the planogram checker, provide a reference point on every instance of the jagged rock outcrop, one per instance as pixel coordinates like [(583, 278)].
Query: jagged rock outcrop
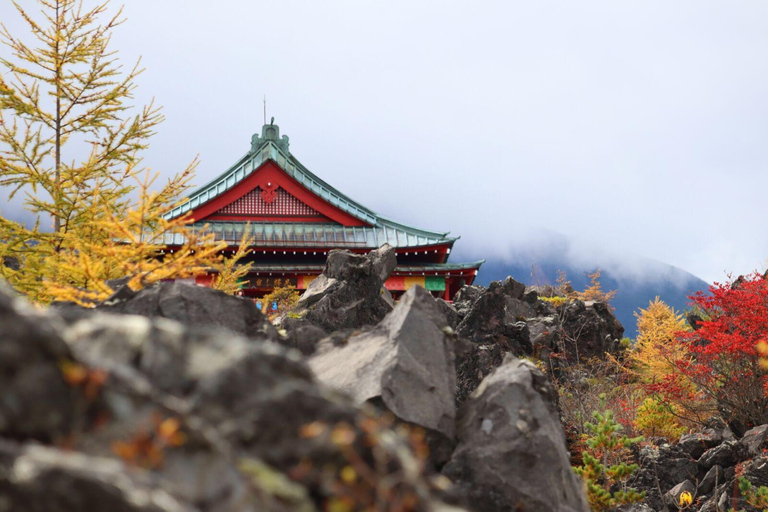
[(582, 330), (256, 397), (493, 322), (714, 477), (725, 455), (451, 315), (695, 444), (349, 293), (188, 304), (508, 317), (662, 468), (304, 338), (707, 464), (590, 329), (498, 317), (406, 363), (477, 362), (220, 422), (465, 297), (186, 383), (754, 442), (511, 451)]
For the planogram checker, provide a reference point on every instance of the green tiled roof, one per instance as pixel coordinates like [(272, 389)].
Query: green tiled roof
[(277, 151), (424, 269), (309, 235)]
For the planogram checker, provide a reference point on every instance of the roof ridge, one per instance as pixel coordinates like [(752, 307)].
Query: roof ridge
[(283, 158)]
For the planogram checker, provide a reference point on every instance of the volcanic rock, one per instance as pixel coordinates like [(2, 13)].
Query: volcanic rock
[(465, 297), (712, 479), (511, 448), (754, 442), (661, 468), (38, 479), (348, 294), (590, 330), (304, 338), (475, 364), (406, 362), (697, 443), (724, 455), (489, 321), (191, 305), (451, 315), (36, 401)]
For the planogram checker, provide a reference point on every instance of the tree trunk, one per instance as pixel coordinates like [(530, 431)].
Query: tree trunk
[(57, 171)]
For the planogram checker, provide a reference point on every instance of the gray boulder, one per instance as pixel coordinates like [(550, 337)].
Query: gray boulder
[(713, 478), (240, 401), (511, 452), (727, 497), (697, 443), (755, 440), (304, 338), (189, 304), (756, 471), (406, 362), (38, 479), (475, 363), (36, 401), (590, 330), (348, 294), (662, 468), (465, 297), (725, 455), (493, 318), (497, 323), (451, 315), (155, 368), (173, 358), (513, 289)]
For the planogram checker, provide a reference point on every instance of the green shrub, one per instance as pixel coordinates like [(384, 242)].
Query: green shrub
[(604, 463)]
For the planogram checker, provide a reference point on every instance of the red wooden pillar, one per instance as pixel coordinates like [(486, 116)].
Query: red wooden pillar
[(447, 292)]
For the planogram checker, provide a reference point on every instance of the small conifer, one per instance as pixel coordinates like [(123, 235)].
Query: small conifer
[(604, 468)]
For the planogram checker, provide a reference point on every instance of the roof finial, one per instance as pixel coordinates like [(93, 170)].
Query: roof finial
[(272, 121), (265, 109)]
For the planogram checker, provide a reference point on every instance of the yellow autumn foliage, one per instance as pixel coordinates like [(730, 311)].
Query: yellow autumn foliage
[(657, 357), (595, 290), (70, 144), (656, 354)]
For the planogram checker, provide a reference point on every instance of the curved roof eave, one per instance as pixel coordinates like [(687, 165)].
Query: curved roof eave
[(426, 267), (291, 165)]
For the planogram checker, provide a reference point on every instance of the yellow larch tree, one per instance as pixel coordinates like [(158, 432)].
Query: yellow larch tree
[(233, 270), (595, 290), (71, 144), (657, 358)]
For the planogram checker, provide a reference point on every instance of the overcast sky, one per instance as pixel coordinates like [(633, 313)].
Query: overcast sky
[(636, 127)]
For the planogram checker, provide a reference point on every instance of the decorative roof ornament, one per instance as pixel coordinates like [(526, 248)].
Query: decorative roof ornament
[(269, 133)]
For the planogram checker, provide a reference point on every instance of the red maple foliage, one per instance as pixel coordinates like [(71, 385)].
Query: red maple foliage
[(726, 364)]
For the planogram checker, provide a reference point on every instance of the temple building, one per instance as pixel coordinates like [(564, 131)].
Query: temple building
[(296, 218)]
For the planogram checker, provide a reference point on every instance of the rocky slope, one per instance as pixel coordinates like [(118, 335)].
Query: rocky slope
[(637, 280), (706, 464), (178, 397)]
